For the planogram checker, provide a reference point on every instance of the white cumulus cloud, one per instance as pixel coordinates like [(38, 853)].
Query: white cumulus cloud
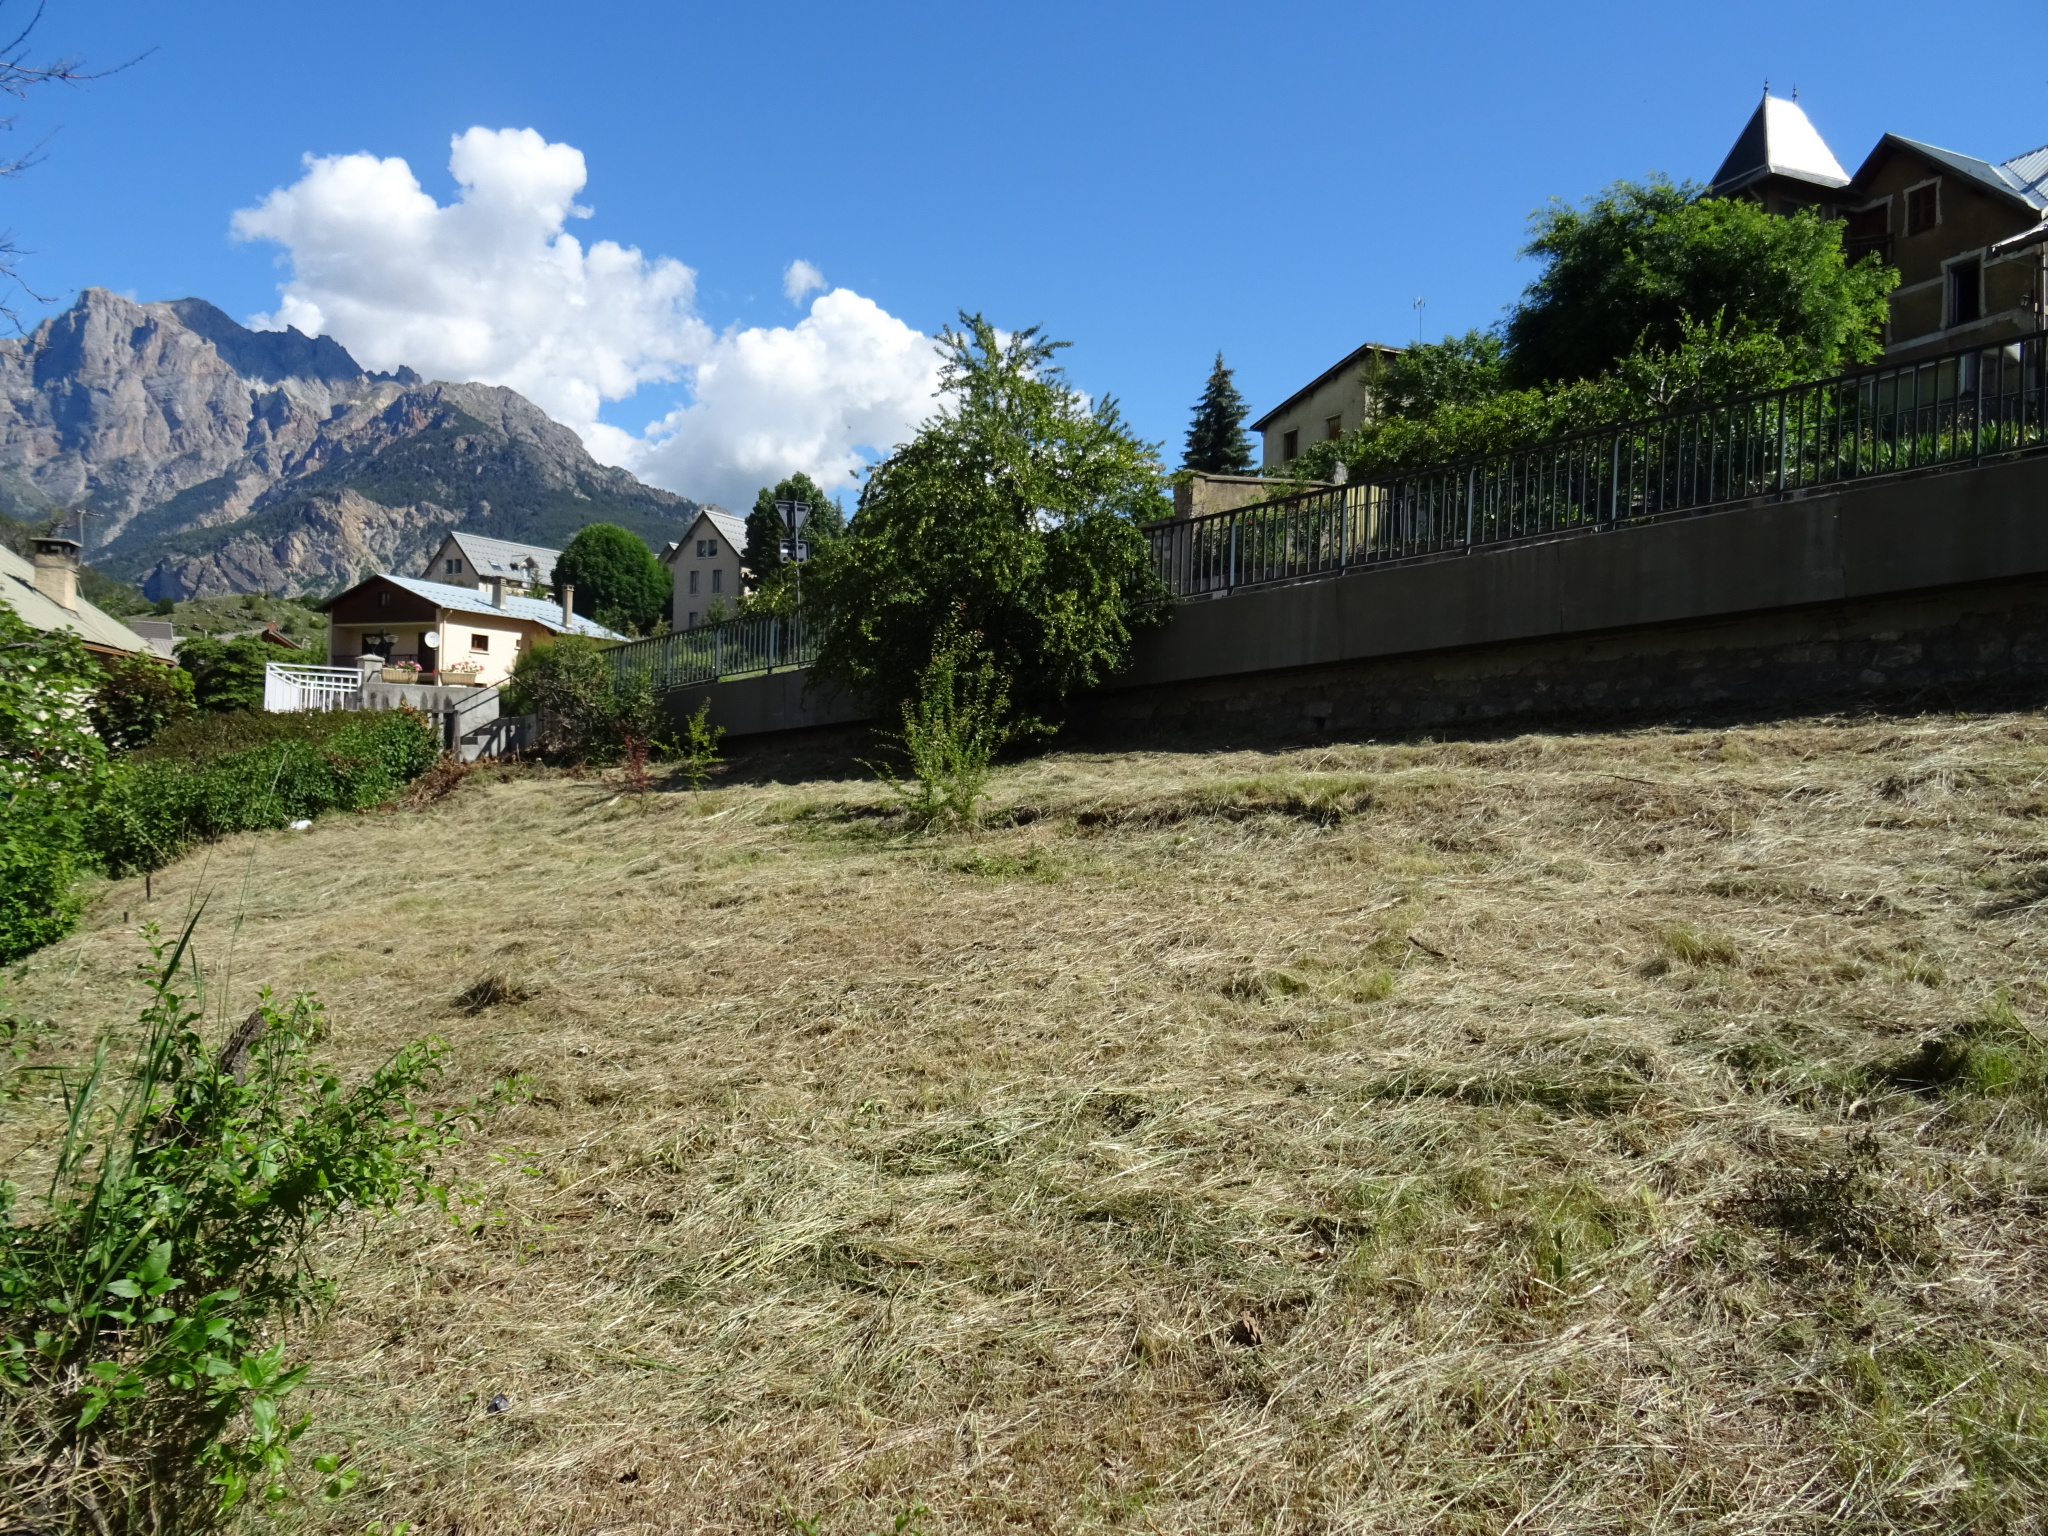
[(802, 278), (492, 287)]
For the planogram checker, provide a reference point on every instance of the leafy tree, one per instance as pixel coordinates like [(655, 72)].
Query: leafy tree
[(52, 765), (1216, 441), (1642, 258), (226, 674), (766, 530), (1459, 370), (618, 581), (585, 711), (1014, 512), (137, 697)]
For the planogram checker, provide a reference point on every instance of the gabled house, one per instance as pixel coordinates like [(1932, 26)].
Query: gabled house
[(1953, 225), (1330, 404), (708, 566), (1939, 216), (43, 592), (440, 628), (470, 560)]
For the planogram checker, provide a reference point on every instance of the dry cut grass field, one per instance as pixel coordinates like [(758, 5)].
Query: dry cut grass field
[(1578, 1132)]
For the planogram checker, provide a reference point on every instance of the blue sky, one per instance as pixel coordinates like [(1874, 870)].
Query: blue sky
[(1153, 182)]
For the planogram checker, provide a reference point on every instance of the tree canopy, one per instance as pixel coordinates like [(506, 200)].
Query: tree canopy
[(766, 530), (1642, 258), (1217, 444), (1013, 515), (618, 581)]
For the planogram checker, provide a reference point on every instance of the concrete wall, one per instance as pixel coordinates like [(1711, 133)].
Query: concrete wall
[(756, 706)]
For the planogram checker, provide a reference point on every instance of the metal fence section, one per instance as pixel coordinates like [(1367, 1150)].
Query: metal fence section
[(1952, 410), (287, 688), (712, 652)]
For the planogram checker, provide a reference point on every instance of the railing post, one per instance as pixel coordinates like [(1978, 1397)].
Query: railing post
[(1471, 504), (1781, 440), (1230, 579), (1977, 412)]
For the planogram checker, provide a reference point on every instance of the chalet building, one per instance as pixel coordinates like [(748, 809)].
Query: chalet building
[(468, 560), (1328, 406), (43, 592), (706, 564), (1954, 226), (478, 634)]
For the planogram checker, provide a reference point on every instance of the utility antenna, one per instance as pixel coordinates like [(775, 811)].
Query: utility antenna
[(1420, 304)]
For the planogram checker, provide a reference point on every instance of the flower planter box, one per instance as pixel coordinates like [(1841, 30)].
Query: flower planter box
[(400, 675), (461, 677)]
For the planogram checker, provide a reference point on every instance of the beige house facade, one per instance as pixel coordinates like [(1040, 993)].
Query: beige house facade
[(1333, 403), (441, 629), (707, 564)]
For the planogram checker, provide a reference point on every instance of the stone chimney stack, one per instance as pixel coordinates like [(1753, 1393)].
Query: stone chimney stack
[(57, 572), (497, 592), (568, 599)]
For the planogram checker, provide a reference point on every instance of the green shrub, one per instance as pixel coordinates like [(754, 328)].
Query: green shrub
[(199, 739), (584, 711), (51, 765), (226, 674), (697, 749), (951, 733), (144, 1293), (137, 698), (156, 808)]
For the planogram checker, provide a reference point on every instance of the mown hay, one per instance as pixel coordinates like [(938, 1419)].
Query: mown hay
[(1592, 1132)]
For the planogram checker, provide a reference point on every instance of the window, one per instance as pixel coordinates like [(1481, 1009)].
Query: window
[(1290, 444), (1965, 290), (383, 599), (1923, 208), (1333, 428), (479, 642), (718, 581), (693, 583), (692, 624), (707, 549), (450, 567), (1869, 229)]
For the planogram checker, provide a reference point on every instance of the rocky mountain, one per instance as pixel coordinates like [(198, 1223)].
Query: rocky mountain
[(210, 458)]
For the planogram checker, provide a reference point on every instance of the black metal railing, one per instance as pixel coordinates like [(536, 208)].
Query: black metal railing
[(1955, 409), (711, 652)]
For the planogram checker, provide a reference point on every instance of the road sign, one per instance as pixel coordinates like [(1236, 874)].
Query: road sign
[(793, 514), (798, 550)]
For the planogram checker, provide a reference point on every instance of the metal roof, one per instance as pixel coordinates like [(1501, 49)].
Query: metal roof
[(538, 610), (18, 591), (1323, 378), (2022, 179), (731, 527), (1778, 140), (501, 557)]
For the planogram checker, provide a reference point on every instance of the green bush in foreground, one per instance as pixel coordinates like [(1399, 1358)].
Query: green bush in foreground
[(584, 711), (158, 806), (142, 1293), (951, 733)]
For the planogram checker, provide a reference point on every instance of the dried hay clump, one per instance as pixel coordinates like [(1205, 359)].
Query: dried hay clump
[(1580, 1132)]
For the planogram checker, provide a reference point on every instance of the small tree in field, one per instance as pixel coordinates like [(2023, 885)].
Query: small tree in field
[(1216, 441), (1014, 514)]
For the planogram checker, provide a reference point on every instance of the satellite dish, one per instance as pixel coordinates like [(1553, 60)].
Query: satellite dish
[(431, 639)]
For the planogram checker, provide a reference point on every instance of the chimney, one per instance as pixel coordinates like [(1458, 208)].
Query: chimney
[(497, 591), (57, 572), (568, 600)]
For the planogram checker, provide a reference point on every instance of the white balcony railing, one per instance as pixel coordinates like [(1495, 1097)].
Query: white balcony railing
[(287, 688)]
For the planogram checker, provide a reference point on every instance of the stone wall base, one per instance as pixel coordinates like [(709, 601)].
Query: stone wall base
[(1927, 649)]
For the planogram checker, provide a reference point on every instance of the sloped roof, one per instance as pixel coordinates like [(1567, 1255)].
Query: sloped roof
[(18, 591), (1355, 359), (501, 557), (1778, 140), (2022, 180), (731, 527), (538, 610)]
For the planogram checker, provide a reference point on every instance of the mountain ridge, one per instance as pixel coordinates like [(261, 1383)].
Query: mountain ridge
[(213, 459)]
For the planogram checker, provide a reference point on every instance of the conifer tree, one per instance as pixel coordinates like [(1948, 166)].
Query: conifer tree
[(1216, 441)]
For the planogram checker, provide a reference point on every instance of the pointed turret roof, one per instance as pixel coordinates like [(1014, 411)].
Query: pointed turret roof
[(1778, 141)]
